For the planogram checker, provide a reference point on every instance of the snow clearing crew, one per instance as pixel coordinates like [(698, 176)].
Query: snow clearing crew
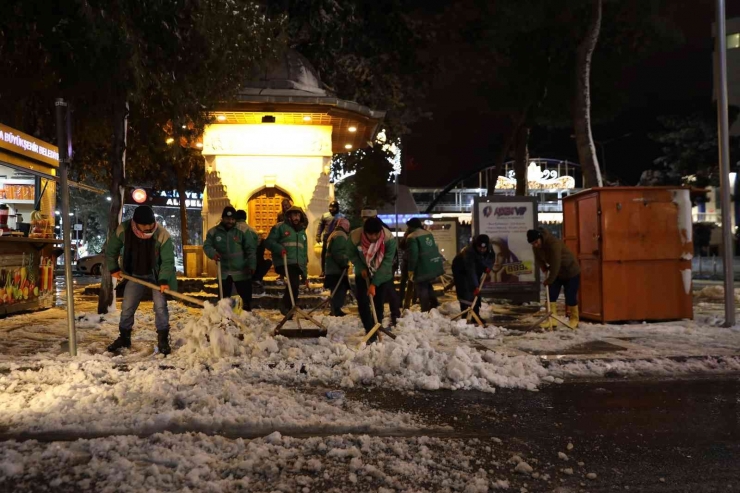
[(468, 267), (148, 254), (288, 239), (563, 271), (425, 263), (235, 249), (337, 261), (371, 250)]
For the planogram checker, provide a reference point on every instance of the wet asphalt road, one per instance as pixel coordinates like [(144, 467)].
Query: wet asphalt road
[(636, 436)]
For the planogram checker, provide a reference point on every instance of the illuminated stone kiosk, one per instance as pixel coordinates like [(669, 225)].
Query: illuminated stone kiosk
[(277, 141)]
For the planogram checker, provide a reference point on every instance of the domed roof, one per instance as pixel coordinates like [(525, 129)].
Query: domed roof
[(291, 75)]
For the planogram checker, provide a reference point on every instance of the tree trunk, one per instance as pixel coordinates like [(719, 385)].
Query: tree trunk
[(582, 102), (183, 209), (522, 160), (115, 160)]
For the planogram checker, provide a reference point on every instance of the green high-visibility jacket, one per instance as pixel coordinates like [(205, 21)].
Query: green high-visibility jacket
[(337, 259), (424, 259), (295, 243), (238, 250), (385, 270), (164, 253)]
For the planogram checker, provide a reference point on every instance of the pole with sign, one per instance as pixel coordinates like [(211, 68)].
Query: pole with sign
[(61, 112)]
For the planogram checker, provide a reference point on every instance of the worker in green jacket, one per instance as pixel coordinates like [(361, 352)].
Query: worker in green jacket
[(148, 254), (425, 263), (337, 262), (287, 240), (371, 250), (235, 250)]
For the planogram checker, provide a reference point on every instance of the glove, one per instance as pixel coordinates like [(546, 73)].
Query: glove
[(371, 290), (307, 283), (163, 287), (284, 253), (476, 292), (217, 257), (488, 270), (365, 274), (250, 272), (546, 282), (117, 275)]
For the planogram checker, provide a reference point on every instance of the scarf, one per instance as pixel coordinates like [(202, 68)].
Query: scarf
[(140, 234), (373, 252), (139, 252)]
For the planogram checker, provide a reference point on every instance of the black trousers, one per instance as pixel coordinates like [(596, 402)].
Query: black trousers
[(323, 254), (425, 292), (296, 274), (464, 288), (337, 301), (244, 288), (363, 302), (263, 264)]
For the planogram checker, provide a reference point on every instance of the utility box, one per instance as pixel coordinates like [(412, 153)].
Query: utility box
[(193, 260), (634, 245)]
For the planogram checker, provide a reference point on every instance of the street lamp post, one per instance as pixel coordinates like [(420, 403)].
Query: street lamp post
[(724, 162)]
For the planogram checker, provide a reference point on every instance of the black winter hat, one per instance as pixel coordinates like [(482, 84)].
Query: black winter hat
[(334, 203), (414, 222), (144, 215), (241, 215), (533, 235), (482, 241), (373, 225), (228, 212)]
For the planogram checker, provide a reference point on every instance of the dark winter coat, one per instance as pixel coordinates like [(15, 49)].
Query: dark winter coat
[(471, 265), (557, 258)]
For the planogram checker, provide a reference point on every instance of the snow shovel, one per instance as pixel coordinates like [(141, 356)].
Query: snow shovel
[(378, 326), (175, 294), (470, 311), (237, 305), (297, 313), (549, 315), (331, 296)]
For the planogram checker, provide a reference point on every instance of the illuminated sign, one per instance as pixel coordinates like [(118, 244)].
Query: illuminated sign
[(267, 140), (24, 144), (537, 179), (139, 195)]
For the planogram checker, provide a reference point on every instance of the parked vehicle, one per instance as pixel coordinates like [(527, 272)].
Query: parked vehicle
[(91, 265)]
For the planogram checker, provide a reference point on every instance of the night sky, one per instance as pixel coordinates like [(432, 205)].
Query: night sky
[(458, 139)]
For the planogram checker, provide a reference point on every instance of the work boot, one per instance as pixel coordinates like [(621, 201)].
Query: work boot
[(547, 324), (123, 341), (574, 317), (163, 341)]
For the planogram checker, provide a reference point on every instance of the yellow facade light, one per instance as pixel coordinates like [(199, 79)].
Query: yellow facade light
[(306, 118), (352, 129), (221, 118), (169, 140), (199, 145), (348, 146)]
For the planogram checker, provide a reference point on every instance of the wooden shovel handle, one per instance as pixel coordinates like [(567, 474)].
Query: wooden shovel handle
[(174, 294)]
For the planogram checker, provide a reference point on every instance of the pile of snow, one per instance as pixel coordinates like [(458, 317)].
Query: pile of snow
[(715, 293), (196, 462), (429, 353)]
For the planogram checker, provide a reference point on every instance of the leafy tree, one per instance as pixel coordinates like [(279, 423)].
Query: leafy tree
[(689, 145), (369, 185), (121, 62)]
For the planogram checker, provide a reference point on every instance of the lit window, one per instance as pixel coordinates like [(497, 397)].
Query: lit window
[(733, 41)]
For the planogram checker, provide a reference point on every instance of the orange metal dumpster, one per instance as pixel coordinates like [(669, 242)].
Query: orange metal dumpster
[(635, 246)]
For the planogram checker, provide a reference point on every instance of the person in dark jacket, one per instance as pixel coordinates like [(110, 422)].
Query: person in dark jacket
[(289, 246), (234, 247), (263, 264), (327, 223), (425, 263), (337, 261), (555, 258), (149, 255), (467, 268)]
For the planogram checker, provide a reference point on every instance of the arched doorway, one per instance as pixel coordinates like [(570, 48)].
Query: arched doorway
[(264, 207)]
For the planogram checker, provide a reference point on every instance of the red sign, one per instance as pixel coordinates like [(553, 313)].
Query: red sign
[(139, 195)]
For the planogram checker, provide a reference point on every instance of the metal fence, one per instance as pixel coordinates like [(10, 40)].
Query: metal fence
[(712, 268)]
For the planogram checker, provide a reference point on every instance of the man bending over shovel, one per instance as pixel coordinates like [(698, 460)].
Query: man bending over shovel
[(371, 251), (148, 254)]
